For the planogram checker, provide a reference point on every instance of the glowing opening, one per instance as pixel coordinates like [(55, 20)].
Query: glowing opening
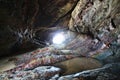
[(58, 38)]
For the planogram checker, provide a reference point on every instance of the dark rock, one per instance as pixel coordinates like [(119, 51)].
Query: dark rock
[(25, 18)]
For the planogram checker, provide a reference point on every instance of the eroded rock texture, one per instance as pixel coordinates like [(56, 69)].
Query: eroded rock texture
[(100, 20), (95, 15), (96, 28), (23, 21)]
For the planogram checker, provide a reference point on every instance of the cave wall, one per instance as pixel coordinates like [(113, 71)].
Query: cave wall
[(99, 19), (96, 22), (95, 15), (22, 20)]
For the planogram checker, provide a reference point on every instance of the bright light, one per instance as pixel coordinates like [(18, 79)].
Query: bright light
[(58, 38)]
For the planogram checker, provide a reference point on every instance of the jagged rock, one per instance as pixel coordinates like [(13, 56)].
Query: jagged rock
[(25, 17), (90, 15), (100, 20), (97, 23), (41, 73), (31, 60)]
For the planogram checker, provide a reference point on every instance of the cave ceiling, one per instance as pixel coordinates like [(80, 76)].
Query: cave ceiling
[(23, 19)]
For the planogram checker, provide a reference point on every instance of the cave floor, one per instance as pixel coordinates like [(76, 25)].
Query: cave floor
[(45, 63)]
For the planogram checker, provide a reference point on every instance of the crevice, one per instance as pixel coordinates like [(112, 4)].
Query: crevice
[(68, 13), (113, 24)]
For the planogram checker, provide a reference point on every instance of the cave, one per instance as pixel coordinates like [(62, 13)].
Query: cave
[(59, 40)]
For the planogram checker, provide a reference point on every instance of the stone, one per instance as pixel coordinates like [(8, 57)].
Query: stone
[(95, 18), (29, 24), (22, 19), (77, 65), (107, 72)]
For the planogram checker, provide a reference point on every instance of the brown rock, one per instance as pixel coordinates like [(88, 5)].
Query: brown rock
[(78, 64), (89, 15)]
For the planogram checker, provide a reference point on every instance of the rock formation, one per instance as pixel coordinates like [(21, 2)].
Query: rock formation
[(93, 27)]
